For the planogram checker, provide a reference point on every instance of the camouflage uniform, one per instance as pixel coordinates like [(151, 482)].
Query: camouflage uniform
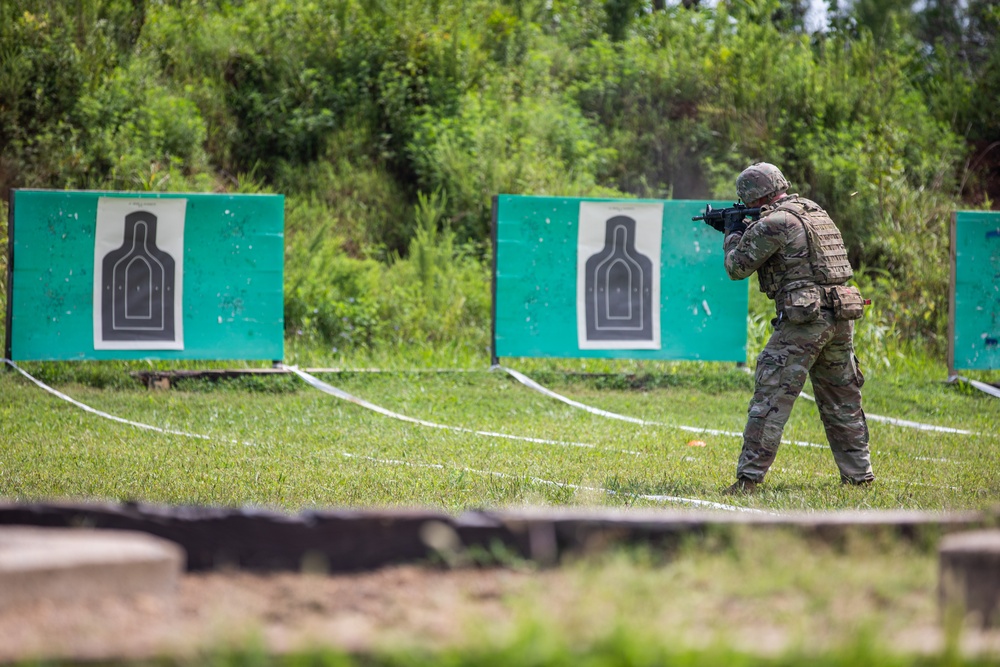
[(782, 249)]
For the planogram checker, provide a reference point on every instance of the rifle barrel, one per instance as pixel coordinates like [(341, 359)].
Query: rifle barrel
[(721, 213)]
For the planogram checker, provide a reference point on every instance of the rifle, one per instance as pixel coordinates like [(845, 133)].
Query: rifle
[(721, 218)]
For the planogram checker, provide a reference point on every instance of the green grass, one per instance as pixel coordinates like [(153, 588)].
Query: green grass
[(277, 442), (754, 598)]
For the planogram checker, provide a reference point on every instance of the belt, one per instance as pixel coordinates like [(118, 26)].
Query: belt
[(825, 297)]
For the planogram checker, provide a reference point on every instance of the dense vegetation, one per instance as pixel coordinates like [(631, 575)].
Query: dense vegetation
[(389, 124)]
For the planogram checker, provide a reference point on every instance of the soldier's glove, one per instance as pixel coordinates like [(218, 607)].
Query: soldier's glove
[(717, 224), (735, 224)]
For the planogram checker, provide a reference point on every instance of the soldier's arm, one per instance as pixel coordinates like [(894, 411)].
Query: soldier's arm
[(746, 251)]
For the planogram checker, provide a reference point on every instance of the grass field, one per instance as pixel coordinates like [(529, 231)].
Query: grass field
[(763, 599), (279, 443)]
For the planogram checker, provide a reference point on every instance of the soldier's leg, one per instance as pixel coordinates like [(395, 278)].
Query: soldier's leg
[(782, 368), (837, 382)]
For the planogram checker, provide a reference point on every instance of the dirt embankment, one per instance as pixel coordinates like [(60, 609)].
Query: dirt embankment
[(426, 607), (281, 611)]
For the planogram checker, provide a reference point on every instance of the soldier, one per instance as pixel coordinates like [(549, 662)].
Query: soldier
[(801, 263)]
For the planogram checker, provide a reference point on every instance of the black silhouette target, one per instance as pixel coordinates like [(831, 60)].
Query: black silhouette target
[(619, 287), (138, 283)]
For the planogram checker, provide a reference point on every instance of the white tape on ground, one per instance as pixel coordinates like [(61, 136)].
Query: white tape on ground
[(528, 382), (905, 423), (981, 386), (393, 370), (566, 485), (340, 393), (91, 410), (105, 415)]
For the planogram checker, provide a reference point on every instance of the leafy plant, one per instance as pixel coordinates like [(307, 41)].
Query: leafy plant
[(364, 114)]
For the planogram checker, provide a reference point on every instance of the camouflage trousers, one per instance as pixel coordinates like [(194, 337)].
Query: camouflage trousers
[(823, 350)]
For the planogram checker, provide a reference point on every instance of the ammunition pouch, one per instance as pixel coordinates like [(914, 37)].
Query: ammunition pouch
[(801, 306), (846, 302)]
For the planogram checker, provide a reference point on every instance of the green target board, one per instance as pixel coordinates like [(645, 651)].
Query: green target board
[(119, 275), (975, 291), (613, 278)]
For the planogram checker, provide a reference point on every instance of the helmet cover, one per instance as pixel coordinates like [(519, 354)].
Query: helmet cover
[(760, 180)]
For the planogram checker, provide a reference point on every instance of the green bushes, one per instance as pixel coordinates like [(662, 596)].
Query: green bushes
[(327, 293), (354, 190), (502, 142), (439, 293), (359, 111), (131, 123)]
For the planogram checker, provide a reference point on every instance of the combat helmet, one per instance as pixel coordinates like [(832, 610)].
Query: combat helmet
[(760, 180)]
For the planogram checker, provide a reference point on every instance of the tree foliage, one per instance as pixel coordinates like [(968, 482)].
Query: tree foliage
[(390, 124)]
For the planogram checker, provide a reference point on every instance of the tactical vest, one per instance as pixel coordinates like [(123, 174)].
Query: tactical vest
[(824, 263)]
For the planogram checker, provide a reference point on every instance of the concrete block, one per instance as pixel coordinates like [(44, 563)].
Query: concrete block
[(66, 565), (970, 574)]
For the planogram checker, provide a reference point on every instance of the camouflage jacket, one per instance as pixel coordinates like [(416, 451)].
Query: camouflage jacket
[(784, 252)]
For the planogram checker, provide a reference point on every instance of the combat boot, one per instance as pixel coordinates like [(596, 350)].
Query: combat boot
[(741, 487)]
